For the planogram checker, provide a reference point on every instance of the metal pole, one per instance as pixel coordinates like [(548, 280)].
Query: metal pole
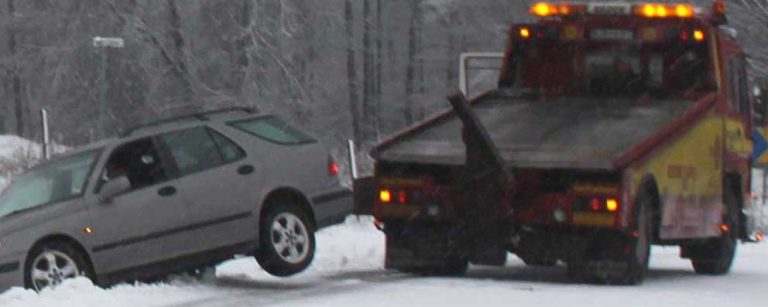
[(102, 92), (46, 135), (352, 159)]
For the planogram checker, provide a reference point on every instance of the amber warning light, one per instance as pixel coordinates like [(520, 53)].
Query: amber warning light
[(385, 196), (646, 10)]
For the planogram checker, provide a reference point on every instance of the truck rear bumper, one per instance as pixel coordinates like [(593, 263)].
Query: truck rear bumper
[(432, 244), (568, 244)]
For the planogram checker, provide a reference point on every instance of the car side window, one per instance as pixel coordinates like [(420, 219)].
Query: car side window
[(229, 150), (272, 129), (193, 150), (139, 161)]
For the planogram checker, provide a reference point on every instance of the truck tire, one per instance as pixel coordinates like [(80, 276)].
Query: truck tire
[(539, 261), (630, 254), (454, 267), (287, 240), (715, 256), (638, 257)]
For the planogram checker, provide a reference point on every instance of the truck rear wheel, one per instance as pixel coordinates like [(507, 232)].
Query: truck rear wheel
[(454, 267), (624, 261), (714, 256), (539, 261), (640, 252)]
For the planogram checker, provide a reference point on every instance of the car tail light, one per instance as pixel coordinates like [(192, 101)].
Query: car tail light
[(333, 167)]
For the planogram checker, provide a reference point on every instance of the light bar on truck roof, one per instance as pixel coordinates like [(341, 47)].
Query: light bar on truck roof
[(646, 10)]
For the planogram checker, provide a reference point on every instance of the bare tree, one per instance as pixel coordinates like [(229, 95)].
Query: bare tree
[(352, 71), (14, 70)]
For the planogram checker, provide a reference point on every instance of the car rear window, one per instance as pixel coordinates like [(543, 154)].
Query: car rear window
[(273, 129)]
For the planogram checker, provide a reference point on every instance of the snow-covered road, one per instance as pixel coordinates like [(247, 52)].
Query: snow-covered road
[(348, 272)]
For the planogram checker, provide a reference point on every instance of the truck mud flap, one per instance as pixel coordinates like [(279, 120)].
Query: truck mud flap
[(364, 195)]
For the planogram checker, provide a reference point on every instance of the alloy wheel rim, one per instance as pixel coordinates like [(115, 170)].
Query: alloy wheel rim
[(51, 268), (290, 238)]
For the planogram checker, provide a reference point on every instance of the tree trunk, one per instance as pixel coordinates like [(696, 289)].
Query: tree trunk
[(368, 106), (352, 71), (18, 104), (181, 68), (379, 66), (411, 66)]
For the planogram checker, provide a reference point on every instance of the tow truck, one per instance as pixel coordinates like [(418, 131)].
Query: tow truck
[(614, 127)]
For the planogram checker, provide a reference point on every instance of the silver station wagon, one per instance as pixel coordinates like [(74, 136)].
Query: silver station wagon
[(172, 196)]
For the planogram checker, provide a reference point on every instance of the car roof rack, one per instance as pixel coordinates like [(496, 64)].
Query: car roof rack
[(198, 116)]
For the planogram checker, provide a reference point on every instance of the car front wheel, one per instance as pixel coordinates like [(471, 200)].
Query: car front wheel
[(52, 263), (287, 240)]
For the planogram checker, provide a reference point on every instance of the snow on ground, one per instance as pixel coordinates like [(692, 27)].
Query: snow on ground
[(347, 271)]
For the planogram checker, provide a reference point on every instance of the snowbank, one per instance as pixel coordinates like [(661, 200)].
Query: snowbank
[(17, 153)]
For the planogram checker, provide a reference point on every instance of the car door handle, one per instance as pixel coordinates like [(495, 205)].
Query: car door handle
[(245, 169), (166, 191)]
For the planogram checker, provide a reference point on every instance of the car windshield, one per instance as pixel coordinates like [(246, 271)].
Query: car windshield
[(57, 181)]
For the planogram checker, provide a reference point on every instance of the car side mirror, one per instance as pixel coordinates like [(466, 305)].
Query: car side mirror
[(114, 187)]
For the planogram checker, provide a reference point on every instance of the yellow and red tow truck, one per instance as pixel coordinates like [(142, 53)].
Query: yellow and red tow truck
[(614, 126)]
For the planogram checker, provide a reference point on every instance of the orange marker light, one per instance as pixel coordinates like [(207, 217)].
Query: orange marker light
[(385, 196), (759, 236), (665, 10), (725, 228), (525, 33), (683, 11), (698, 35), (612, 204), (542, 9), (648, 10), (88, 230)]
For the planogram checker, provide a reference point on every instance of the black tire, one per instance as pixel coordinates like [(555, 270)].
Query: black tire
[(540, 262), (454, 268), (640, 253), (63, 254), (282, 260), (715, 256), (634, 260), (721, 253)]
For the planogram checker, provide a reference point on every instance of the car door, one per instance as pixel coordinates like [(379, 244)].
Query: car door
[(219, 186), (143, 224)]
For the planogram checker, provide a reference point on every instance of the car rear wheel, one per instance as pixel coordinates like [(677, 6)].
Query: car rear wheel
[(52, 263), (287, 240)]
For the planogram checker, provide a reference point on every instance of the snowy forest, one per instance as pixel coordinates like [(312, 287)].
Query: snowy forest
[(344, 69)]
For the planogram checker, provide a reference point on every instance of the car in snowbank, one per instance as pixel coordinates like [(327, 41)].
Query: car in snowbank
[(172, 196)]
